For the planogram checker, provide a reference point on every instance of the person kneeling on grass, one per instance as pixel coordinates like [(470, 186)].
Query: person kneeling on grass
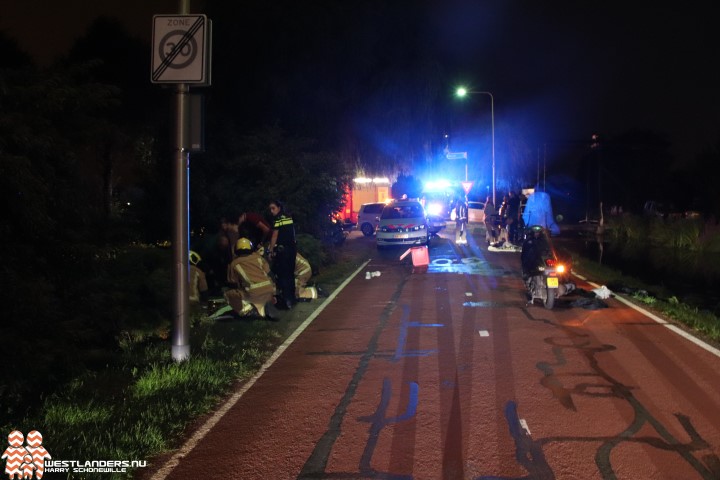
[(254, 289), (198, 280), (303, 272)]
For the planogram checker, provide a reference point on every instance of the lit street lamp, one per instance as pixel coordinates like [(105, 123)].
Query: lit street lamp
[(463, 92)]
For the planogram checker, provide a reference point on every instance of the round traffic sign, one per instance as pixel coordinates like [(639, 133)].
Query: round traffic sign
[(181, 49)]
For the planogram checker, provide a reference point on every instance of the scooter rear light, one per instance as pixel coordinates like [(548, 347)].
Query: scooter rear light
[(550, 262), (560, 268)]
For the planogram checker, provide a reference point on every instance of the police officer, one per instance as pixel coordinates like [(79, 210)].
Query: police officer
[(461, 221), (283, 252)]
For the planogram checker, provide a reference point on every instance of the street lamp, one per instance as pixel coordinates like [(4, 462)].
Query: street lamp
[(462, 92)]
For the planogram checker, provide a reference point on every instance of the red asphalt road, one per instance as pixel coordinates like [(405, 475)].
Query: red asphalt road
[(450, 375)]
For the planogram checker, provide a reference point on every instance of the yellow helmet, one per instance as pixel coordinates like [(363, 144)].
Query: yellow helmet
[(243, 244), (194, 258)]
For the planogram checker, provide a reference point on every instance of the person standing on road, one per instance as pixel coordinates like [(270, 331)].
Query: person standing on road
[(461, 221), (283, 252), (490, 221), (513, 216)]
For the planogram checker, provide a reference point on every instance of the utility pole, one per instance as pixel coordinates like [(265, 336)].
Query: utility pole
[(181, 57), (544, 165), (180, 348)]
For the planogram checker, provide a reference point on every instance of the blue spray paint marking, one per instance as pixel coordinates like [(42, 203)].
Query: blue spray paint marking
[(528, 453), (400, 351), (378, 421)]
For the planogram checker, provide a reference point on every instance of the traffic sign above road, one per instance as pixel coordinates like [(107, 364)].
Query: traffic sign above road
[(456, 155), (181, 45)]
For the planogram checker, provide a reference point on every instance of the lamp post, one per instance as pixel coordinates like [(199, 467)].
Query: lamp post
[(463, 92)]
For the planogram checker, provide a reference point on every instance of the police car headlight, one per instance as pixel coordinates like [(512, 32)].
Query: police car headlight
[(434, 209)]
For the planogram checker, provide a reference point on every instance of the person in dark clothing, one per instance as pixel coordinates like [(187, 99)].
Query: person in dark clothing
[(283, 251), (535, 249), (513, 216), (254, 226), (461, 222)]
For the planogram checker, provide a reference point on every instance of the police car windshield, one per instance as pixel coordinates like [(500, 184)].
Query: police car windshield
[(402, 211)]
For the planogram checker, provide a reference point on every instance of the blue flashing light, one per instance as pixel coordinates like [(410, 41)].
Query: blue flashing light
[(437, 185), (434, 208)]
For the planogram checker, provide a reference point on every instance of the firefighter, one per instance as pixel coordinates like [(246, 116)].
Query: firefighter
[(303, 272), (198, 281), (250, 273)]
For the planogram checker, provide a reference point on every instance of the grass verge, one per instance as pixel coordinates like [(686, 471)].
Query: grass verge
[(140, 405), (654, 298)]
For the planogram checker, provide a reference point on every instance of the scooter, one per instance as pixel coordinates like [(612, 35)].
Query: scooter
[(545, 277), (335, 232)]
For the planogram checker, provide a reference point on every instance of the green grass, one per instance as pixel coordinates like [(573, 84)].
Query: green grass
[(660, 300), (148, 400)]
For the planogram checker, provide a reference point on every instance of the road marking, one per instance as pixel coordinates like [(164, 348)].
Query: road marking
[(468, 294), (174, 461), (659, 320), (524, 425), (484, 333)]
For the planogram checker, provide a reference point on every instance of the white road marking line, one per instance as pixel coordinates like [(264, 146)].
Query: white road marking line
[(659, 320), (484, 333), (524, 425), (174, 461)]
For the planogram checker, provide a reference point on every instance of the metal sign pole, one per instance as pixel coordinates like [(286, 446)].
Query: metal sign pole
[(180, 349), (181, 163)]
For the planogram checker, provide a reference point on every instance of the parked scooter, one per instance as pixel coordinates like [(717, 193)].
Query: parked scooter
[(334, 232), (545, 276)]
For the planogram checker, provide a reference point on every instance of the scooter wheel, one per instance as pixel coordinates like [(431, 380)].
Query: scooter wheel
[(549, 302)]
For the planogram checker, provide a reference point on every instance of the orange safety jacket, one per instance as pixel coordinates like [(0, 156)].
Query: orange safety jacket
[(303, 270), (251, 273), (198, 283)]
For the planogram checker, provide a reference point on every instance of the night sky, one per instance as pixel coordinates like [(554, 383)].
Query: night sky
[(559, 70)]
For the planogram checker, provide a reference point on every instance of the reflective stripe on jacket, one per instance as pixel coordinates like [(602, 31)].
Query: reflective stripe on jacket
[(250, 272), (302, 266)]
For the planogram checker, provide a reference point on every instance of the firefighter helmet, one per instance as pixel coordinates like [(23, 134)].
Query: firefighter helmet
[(243, 245), (194, 258)]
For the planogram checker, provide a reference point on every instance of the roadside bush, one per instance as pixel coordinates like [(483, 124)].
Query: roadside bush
[(71, 315), (710, 236), (313, 250), (682, 233)]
